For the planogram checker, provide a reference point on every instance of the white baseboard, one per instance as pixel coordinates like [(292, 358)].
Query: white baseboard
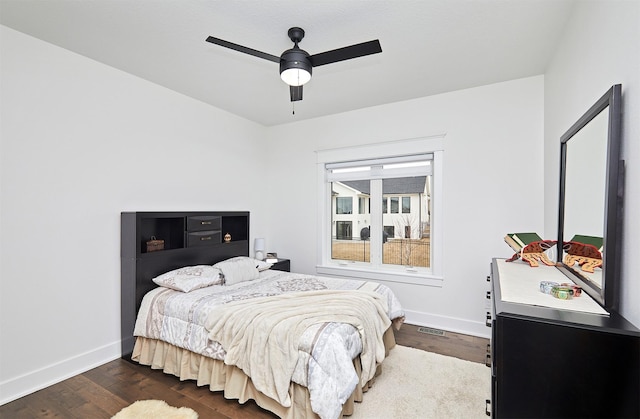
[(451, 324), (31, 382)]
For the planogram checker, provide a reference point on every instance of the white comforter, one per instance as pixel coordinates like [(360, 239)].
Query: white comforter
[(325, 350)]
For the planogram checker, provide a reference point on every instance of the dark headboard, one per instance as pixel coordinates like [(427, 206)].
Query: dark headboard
[(178, 231)]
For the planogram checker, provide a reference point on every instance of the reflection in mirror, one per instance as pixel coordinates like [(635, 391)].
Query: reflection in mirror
[(585, 193), (590, 199)]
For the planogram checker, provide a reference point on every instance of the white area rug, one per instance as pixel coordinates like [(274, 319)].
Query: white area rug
[(420, 384), (154, 409), (414, 384)]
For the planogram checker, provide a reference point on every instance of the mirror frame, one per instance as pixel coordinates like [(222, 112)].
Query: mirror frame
[(607, 294)]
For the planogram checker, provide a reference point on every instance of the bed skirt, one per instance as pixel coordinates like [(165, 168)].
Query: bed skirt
[(235, 384)]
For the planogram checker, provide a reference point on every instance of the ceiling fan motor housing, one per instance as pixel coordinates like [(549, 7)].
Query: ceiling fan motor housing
[(296, 59)]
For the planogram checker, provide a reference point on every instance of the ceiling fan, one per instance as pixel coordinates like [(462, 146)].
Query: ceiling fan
[(296, 64)]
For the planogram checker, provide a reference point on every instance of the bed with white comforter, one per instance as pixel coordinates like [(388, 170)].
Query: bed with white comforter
[(314, 343)]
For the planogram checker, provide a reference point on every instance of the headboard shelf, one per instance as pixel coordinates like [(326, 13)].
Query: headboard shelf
[(186, 243), (169, 229)]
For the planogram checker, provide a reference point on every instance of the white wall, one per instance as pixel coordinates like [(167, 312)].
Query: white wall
[(492, 185), (81, 142), (600, 48)]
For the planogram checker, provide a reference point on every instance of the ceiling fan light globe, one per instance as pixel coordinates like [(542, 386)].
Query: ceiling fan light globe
[(295, 76), (295, 66)]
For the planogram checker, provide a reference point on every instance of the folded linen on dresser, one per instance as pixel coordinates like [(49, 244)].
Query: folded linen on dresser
[(261, 335)]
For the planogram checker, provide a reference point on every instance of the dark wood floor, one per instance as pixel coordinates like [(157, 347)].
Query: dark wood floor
[(105, 390)]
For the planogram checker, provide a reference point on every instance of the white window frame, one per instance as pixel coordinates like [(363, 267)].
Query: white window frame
[(432, 276)]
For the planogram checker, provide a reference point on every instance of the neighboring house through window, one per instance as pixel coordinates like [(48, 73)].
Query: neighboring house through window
[(399, 239)]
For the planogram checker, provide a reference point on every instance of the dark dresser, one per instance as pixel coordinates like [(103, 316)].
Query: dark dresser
[(550, 362)]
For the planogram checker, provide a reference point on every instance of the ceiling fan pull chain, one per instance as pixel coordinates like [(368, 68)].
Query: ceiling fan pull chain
[(293, 108)]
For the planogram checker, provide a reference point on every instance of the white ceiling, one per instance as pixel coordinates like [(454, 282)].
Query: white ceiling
[(429, 46)]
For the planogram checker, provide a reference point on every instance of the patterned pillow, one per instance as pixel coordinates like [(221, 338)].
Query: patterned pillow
[(238, 269), (190, 278)]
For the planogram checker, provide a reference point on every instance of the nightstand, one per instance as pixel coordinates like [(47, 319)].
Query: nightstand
[(282, 265)]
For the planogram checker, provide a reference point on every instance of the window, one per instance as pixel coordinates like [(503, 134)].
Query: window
[(403, 240), (395, 234), (406, 205), (388, 231), (343, 230), (344, 205), (362, 205), (395, 206)]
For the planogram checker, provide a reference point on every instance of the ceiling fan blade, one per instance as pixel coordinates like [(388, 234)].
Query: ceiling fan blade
[(346, 53), (240, 48), (295, 92)]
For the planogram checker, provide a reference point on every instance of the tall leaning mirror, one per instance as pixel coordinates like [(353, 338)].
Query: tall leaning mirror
[(590, 204)]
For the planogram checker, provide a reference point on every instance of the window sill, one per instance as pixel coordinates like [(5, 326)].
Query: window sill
[(413, 278)]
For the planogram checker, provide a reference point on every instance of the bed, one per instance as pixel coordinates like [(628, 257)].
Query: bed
[(230, 323)]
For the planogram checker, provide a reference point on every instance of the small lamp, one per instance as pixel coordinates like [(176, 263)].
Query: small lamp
[(258, 248)]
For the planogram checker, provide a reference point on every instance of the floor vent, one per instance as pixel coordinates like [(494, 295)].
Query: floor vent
[(430, 331)]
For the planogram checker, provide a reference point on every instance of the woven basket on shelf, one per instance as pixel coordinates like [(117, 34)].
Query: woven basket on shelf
[(154, 244)]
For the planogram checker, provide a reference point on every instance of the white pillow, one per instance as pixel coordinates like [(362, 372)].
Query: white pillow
[(261, 265), (238, 269), (190, 278)]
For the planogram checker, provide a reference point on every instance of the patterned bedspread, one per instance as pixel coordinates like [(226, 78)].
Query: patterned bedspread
[(325, 350)]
